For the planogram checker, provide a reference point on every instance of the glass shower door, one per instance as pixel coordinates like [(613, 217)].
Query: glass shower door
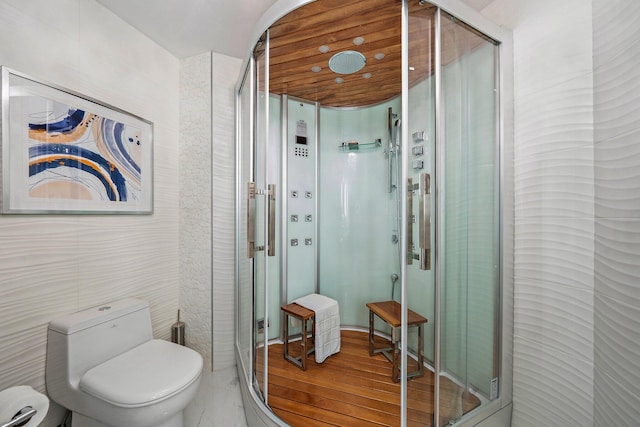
[(469, 219), (419, 154), (244, 263), (259, 179), (256, 213), (451, 161)]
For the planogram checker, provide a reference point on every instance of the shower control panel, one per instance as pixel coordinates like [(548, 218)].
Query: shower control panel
[(418, 136), (300, 132), (301, 152)]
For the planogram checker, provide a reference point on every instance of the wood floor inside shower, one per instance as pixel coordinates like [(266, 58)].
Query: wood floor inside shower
[(353, 389)]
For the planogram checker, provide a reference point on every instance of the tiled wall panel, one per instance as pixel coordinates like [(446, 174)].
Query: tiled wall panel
[(618, 176), (555, 118), (560, 319), (53, 264), (207, 231), (615, 58), (552, 388), (195, 202), (557, 184), (554, 210), (555, 251), (616, 37), (225, 75)]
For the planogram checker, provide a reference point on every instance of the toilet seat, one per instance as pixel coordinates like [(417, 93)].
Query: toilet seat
[(147, 374)]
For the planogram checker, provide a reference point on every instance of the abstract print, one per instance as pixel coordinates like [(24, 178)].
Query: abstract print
[(79, 155)]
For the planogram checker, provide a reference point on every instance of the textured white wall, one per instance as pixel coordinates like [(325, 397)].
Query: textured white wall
[(224, 77), (577, 296), (207, 200), (51, 264), (616, 57), (554, 210), (195, 202)]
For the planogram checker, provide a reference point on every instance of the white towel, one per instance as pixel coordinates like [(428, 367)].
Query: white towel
[(327, 324)]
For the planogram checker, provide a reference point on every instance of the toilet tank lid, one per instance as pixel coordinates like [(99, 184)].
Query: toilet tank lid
[(84, 319)]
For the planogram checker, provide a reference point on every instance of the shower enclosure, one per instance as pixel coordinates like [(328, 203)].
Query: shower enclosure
[(371, 168)]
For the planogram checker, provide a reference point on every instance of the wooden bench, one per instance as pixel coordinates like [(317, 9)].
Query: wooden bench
[(390, 312), (304, 315)]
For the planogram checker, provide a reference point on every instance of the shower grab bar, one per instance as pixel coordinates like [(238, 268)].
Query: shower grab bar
[(271, 234), (425, 221)]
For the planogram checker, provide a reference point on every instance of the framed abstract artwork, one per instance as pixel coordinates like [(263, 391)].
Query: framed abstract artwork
[(66, 153)]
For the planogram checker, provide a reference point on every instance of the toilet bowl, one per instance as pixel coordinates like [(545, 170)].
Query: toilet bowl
[(104, 365)]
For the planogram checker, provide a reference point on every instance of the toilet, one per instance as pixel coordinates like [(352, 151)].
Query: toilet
[(104, 365)]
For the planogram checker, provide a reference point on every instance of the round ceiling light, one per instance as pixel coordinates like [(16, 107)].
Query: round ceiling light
[(316, 69), (324, 48), (347, 62)]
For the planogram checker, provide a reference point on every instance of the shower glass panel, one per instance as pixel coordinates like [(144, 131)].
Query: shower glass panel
[(469, 216), (244, 271), (421, 152), (261, 220)]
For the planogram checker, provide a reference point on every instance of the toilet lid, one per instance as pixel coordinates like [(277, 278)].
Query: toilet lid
[(153, 371)]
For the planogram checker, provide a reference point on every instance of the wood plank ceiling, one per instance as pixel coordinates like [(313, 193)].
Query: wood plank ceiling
[(296, 38)]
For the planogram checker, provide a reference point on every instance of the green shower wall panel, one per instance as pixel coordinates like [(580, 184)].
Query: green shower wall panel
[(357, 214)]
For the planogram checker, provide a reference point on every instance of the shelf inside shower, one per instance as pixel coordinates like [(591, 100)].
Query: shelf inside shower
[(350, 146)]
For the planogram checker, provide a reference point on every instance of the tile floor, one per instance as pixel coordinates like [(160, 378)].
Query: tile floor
[(218, 402)]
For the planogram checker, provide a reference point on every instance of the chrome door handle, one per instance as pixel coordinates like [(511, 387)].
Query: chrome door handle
[(251, 219), (410, 254), (271, 237), (425, 221)]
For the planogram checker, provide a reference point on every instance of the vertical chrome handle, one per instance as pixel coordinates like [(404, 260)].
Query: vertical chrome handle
[(251, 219), (389, 150), (410, 221), (271, 244), (425, 221)]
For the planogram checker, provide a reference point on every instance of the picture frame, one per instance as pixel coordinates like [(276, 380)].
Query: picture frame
[(65, 153)]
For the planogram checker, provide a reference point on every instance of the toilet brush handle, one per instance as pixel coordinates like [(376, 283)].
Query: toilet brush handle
[(21, 417)]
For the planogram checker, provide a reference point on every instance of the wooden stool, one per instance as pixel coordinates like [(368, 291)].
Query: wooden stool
[(304, 315), (391, 312)]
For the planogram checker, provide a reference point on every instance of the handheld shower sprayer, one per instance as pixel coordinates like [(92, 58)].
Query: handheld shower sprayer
[(394, 279)]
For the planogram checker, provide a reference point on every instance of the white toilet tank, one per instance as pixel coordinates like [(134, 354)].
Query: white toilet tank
[(82, 340)]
